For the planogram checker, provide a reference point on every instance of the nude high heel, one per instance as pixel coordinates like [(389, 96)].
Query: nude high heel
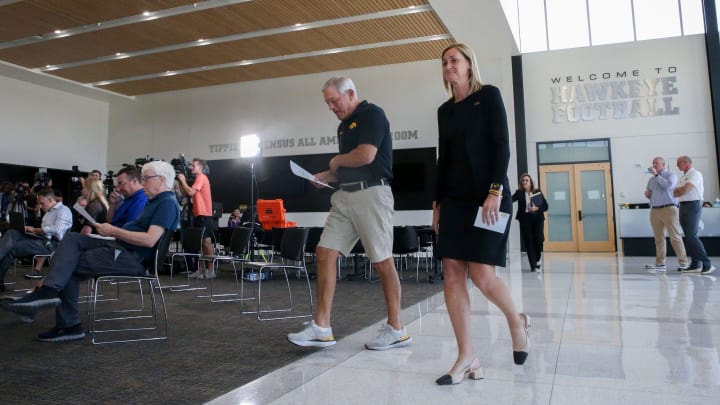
[(473, 371), (520, 355)]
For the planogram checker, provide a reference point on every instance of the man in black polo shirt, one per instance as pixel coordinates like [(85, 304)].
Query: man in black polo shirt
[(361, 209)]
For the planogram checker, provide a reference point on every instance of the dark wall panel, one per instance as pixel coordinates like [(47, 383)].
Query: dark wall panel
[(230, 179)]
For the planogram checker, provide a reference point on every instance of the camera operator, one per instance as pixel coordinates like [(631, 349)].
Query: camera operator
[(41, 240), (202, 210), (6, 195), (42, 182), (18, 201), (128, 199)]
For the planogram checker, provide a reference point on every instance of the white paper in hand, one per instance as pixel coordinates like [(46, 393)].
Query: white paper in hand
[(498, 226), (300, 172), (90, 220)]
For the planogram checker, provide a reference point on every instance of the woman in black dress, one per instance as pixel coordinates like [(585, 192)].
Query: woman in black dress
[(97, 205), (531, 208), (474, 154)]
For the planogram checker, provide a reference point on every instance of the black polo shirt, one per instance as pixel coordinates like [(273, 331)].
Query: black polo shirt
[(366, 125)]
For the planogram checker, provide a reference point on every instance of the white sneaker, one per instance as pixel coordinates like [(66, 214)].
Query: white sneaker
[(389, 338), (656, 267), (312, 335), (196, 274), (209, 274)]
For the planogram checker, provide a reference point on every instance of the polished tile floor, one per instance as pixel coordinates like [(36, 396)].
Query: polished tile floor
[(604, 331)]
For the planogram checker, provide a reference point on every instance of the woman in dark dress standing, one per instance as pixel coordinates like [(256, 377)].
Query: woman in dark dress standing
[(531, 215), (474, 154)]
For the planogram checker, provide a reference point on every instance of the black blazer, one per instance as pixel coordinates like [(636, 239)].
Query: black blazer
[(519, 196)]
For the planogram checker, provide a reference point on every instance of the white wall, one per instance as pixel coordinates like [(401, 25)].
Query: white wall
[(190, 122), (51, 128), (634, 141)]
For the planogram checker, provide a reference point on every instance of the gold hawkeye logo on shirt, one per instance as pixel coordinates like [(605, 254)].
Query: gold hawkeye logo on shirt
[(353, 125)]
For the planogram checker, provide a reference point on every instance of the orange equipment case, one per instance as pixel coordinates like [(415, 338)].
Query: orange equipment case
[(271, 214)]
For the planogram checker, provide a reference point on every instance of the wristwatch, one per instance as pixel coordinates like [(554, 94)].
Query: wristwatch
[(496, 189)]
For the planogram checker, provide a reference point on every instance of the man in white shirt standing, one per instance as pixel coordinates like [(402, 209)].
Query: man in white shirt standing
[(690, 194)]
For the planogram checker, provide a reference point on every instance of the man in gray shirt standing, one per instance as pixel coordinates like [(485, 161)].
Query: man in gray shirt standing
[(664, 215)]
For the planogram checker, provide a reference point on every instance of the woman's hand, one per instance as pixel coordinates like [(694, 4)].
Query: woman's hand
[(436, 218), (491, 209)]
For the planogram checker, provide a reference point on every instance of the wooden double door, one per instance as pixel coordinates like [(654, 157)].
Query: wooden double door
[(580, 216)]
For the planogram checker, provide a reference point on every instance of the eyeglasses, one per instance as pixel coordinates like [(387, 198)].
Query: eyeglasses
[(146, 178)]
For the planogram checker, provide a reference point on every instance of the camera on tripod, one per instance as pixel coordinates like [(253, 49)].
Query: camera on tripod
[(42, 178), (108, 182), (75, 183), (181, 167)]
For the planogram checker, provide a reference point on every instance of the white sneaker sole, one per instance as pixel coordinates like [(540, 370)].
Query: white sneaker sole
[(394, 345), (312, 343)]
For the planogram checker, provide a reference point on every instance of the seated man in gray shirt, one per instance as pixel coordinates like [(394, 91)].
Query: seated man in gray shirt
[(36, 241)]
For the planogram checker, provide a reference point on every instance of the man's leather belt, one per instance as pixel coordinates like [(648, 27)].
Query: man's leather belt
[(690, 202), (361, 185), (666, 205)]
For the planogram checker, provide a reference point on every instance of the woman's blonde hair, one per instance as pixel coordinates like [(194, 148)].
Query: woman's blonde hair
[(96, 191), (475, 81)]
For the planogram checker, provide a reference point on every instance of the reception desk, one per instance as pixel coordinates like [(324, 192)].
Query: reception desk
[(637, 236)]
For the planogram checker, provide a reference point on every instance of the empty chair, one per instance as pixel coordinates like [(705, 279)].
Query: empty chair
[(191, 252), (292, 251), (135, 329), (406, 242), (237, 252)]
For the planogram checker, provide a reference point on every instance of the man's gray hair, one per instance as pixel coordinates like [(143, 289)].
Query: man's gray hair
[(161, 168), (685, 157), (341, 84)]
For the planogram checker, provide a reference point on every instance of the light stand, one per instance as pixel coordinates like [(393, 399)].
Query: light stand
[(250, 149)]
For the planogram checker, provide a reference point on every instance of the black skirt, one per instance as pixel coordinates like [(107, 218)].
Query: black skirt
[(459, 239)]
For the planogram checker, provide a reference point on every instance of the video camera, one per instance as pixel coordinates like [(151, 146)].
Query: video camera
[(21, 192), (139, 162), (42, 178), (75, 182), (181, 167), (108, 182)]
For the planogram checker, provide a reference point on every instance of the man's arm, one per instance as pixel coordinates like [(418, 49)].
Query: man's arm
[(685, 188), (60, 225), (666, 180), (114, 201), (144, 239), (185, 187), (362, 155)]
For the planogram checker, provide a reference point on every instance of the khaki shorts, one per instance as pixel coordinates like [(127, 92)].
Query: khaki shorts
[(366, 215)]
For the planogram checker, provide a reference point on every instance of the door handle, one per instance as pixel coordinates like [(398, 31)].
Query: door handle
[(580, 215)]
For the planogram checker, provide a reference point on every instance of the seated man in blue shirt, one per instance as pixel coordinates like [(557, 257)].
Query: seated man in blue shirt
[(128, 199), (81, 256)]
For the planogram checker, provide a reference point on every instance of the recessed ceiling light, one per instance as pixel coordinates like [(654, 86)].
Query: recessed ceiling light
[(58, 31), (146, 13)]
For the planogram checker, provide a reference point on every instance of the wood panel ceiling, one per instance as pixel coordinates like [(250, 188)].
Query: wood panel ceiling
[(135, 47)]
